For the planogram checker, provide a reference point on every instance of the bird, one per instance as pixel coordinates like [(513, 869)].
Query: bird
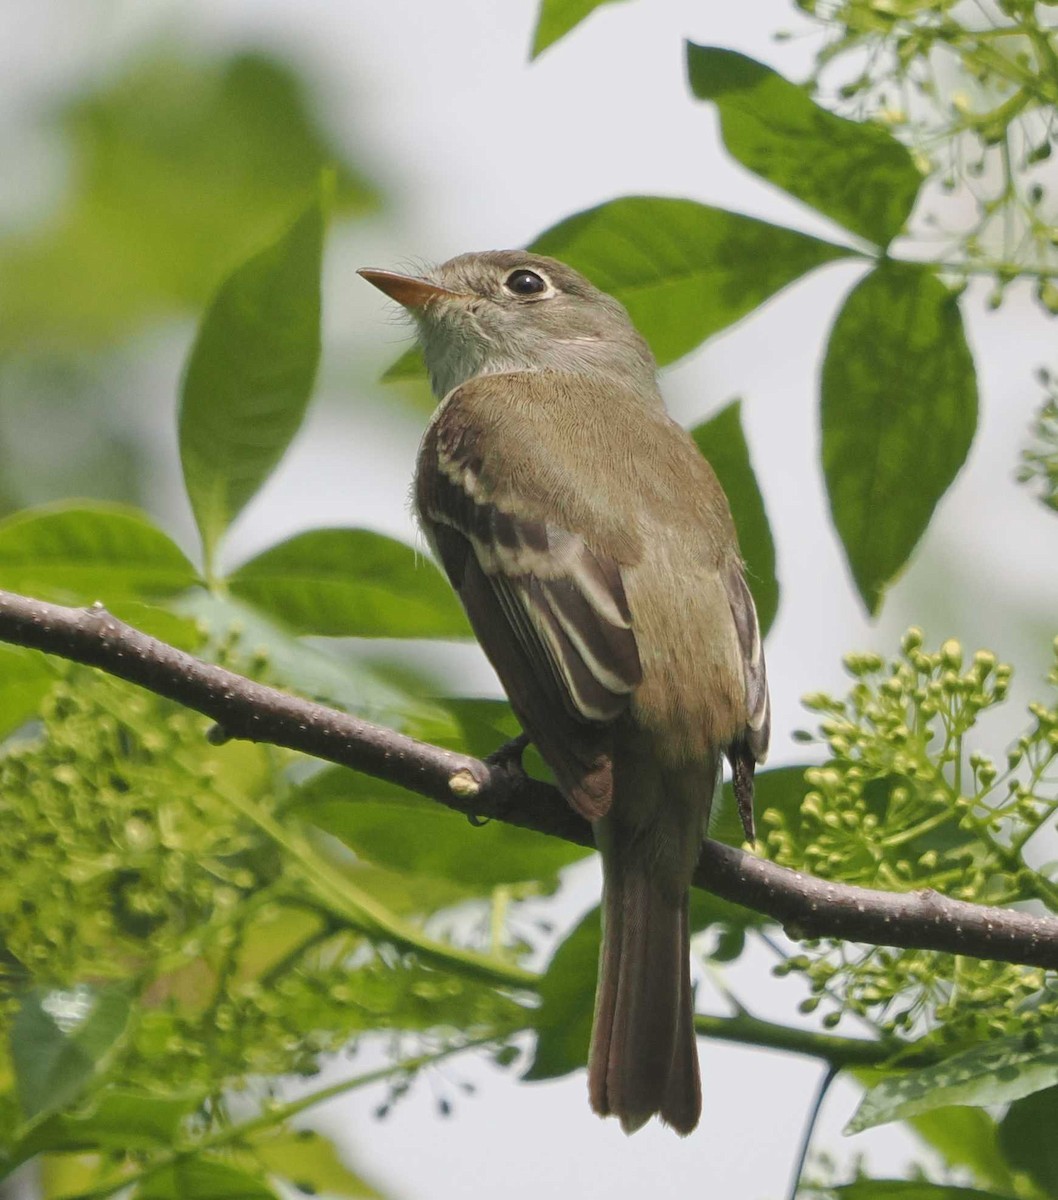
[(595, 554)]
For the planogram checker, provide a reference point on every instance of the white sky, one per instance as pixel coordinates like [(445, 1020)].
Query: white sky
[(479, 150)]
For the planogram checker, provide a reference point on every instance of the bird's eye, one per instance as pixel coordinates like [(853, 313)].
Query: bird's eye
[(525, 283)]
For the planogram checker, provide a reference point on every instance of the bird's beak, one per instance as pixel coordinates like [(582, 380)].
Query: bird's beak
[(410, 290)]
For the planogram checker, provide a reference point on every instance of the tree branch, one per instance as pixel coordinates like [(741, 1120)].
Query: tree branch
[(839, 1052), (498, 789)]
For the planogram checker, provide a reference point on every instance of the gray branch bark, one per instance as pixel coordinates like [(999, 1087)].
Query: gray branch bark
[(497, 789)]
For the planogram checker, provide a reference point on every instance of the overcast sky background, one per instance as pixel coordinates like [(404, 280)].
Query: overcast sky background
[(477, 149)]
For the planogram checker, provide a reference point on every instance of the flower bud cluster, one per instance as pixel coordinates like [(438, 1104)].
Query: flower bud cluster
[(1039, 460), (982, 127), (900, 803), (123, 858)]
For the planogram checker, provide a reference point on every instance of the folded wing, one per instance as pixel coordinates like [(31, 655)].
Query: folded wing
[(549, 610), (751, 746)]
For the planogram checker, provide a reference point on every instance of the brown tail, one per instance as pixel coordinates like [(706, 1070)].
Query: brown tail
[(643, 1058)]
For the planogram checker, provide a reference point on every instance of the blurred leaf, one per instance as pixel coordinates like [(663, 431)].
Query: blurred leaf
[(411, 385), (118, 1120), (289, 662), (159, 623), (351, 583), (65, 1175), (25, 678), (410, 365), (201, 1178), (899, 412), (1025, 1138), (9, 496), (393, 828), (60, 1040), (683, 270), (730, 936), (909, 1189), (311, 1163), (995, 1072), (250, 375), (403, 894), (723, 445), (965, 1137), (483, 725), (557, 18), (728, 921), (403, 669), (180, 170), (273, 933), (61, 432), (854, 172), (77, 555), (567, 995)]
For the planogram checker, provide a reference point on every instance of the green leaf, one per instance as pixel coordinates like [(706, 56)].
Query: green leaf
[(899, 412), (567, 1002), (1024, 1137), (311, 1163), (63, 434), (179, 170), (909, 1189), (557, 18), (412, 385), (201, 1178), (729, 921), (858, 174), (250, 375), (160, 623), (483, 725), (683, 270), (965, 1137), (723, 444), (409, 366), (60, 1040), (393, 828), (407, 895), (65, 1175), (996, 1072), (25, 679), (328, 677), (76, 555), (351, 583), (117, 1121)]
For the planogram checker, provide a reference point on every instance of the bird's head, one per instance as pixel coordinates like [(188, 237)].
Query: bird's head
[(509, 310)]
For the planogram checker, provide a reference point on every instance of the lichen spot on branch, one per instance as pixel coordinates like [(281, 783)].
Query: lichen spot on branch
[(463, 784)]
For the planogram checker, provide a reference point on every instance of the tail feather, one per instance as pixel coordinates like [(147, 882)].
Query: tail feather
[(644, 1060), (682, 1105)]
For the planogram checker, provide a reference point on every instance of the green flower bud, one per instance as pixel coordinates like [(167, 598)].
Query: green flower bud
[(951, 654), (913, 639)]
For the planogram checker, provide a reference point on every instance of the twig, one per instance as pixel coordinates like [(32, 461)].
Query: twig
[(273, 1117), (835, 1050), (498, 789), (811, 1121)]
